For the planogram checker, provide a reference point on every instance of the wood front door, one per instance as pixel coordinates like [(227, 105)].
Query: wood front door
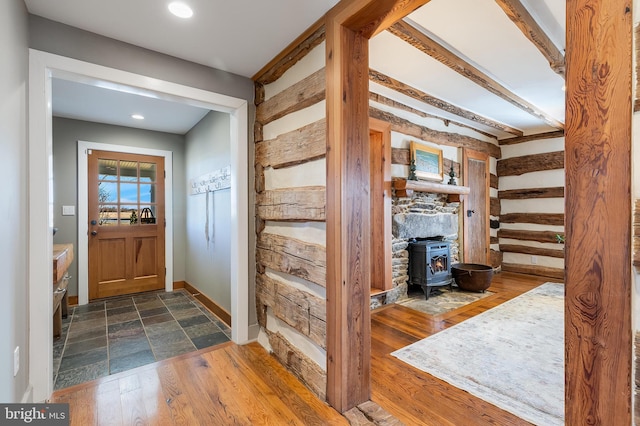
[(126, 223), (475, 207)]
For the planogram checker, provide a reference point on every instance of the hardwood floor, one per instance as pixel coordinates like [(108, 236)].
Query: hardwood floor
[(230, 385), (244, 385), (417, 398)]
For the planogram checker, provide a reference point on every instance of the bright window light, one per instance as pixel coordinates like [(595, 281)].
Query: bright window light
[(181, 10), (137, 116)]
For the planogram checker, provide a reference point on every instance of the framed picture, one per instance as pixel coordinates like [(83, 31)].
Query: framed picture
[(428, 162)]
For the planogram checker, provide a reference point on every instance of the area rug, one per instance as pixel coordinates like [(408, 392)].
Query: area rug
[(441, 300), (511, 356)]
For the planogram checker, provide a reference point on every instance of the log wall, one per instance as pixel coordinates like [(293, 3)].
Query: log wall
[(531, 197), (290, 135)]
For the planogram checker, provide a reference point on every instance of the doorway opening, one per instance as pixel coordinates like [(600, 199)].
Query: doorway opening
[(44, 67), (380, 190)]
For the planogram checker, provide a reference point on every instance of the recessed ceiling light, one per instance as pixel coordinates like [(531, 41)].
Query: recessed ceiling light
[(137, 116), (181, 10)]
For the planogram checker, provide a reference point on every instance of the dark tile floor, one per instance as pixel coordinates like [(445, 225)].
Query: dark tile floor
[(118, 334)]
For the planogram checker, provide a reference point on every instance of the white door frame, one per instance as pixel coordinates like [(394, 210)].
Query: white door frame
[(43, 67), (83, 211)]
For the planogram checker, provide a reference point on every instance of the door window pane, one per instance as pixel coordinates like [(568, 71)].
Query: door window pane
[(108, 214), (128, 171), (129, 215), (147, 193), (107, 192), (107, 169), (147, 172), (128, 193), (147, 215)]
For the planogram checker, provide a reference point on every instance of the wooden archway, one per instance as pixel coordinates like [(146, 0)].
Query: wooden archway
[(597, 164)]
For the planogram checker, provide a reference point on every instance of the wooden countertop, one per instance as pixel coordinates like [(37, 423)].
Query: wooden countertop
[(62, 258)]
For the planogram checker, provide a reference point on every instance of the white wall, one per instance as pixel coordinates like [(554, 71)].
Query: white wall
[(66, 134), (208, 227), (14, 309)]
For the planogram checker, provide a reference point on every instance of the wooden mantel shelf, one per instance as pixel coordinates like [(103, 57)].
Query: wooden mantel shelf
[(405, 188)]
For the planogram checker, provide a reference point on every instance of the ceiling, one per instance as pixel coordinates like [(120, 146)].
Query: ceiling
[(480, 33), (223, 35)]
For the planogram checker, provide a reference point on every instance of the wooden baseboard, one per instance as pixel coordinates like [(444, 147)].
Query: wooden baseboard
[(217, 310), (543, 271)]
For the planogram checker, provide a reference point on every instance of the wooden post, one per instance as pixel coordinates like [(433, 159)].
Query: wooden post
[(348, 258), (349, 25), (598, 335)]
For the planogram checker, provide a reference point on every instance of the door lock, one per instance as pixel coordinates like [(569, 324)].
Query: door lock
[(94, 233), (93, 222), (470, 212)]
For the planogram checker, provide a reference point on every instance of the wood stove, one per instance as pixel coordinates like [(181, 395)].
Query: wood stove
[(430, 264)]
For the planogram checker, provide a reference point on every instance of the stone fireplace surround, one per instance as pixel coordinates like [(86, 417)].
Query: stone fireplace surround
[(422, 215)]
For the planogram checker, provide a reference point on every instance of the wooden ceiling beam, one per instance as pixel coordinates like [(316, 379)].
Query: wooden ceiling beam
[(538, 136), (375, 97), (414, 93), (373, 16), (520, 16), (290, 56), (426, 44)]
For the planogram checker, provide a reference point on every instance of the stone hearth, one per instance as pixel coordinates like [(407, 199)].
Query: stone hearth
[(423, 215)]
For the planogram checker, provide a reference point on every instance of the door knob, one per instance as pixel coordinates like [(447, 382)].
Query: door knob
[(94, 233), (470, 212)]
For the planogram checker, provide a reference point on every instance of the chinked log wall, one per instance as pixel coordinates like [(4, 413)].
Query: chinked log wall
[(516, 166), (291, 258)]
